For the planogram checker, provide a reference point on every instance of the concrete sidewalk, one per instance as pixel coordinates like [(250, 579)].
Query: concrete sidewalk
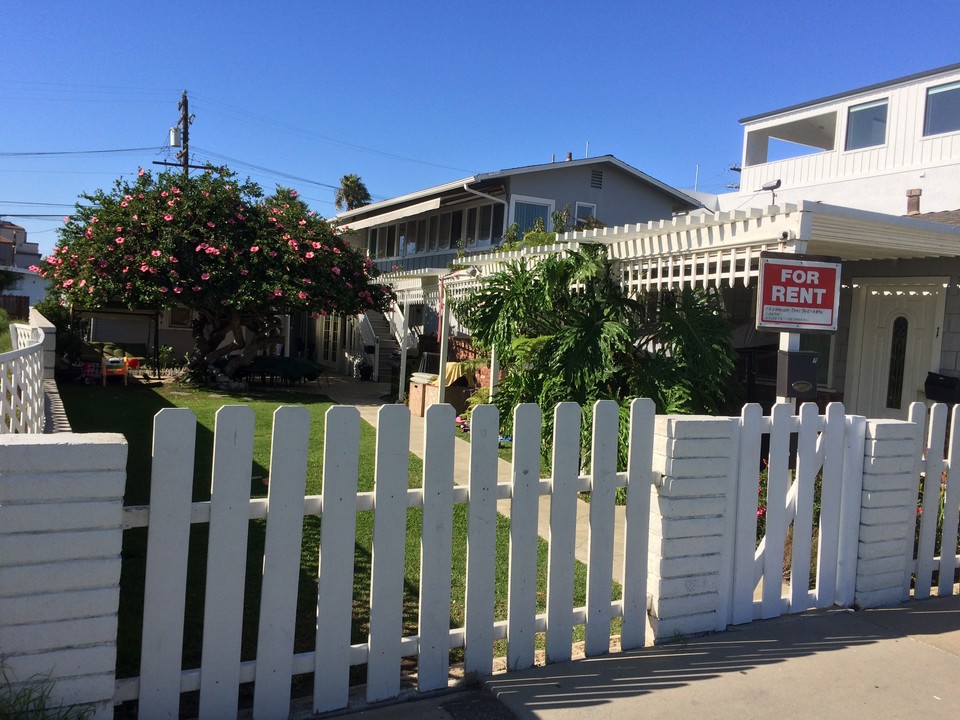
[(900, 662)]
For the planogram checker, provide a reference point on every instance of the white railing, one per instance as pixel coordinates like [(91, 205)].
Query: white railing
[(406, 341), (21, 382)]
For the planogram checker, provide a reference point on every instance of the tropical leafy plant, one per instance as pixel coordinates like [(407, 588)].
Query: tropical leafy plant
[(567, 330)]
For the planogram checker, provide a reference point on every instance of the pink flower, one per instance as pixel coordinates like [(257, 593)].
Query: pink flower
[(66, 218), (277, 292), (255, 248), (123, 204), (144, 267), (309, 255), (244, 272), (175, 191), (302, 295), (163, 290), (293, 193), (210, 224), (196, 288), (155, 253), (171, 203), (173, 259), (95, 219), (302, 222), (33, 268), (168, 217), (205, 276), (140, 174), (163, 194), (178, 290), (67, 283), (336, 271)]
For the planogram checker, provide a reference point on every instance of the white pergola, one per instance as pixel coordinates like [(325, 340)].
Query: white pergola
[(704, 249)]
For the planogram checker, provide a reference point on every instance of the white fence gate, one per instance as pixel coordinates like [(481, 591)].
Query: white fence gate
[(939, 485), (829, 454), (228, 512)]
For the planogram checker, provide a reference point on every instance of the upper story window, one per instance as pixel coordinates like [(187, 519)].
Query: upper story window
[(585, 211), (867, 125), (943, 109)]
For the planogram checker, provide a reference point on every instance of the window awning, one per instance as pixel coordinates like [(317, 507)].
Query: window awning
[(384, 218)]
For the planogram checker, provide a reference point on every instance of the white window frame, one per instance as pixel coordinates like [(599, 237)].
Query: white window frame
[(934, 89), (514, 199), (866, 106), (576, 211)]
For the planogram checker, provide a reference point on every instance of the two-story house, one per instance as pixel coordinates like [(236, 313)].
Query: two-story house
[(415, 238), (870, 176), (431, 228), (892, 147)]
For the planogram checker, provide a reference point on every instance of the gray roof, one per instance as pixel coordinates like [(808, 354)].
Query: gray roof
[(858, 91), (480, 178)]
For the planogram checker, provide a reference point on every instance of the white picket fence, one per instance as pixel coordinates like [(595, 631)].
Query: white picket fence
[(21, 382), (753, 582), (171, 512)]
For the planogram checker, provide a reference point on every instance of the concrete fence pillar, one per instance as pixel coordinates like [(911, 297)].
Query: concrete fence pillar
[(887, 511), (49, 342), (61, 530), (690, 548)]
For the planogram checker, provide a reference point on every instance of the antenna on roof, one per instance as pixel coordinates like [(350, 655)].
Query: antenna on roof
[(587, 153)]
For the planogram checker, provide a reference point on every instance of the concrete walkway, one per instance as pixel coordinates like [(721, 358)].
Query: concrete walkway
[(368, 397), (900, 662)]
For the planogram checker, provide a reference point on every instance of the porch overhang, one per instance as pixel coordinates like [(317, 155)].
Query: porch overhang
[(706, 249)]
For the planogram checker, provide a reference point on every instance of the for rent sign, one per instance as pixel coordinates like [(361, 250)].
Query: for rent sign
[(798, 293)]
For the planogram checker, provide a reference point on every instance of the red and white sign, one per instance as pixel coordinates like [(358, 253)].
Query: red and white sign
[(798, 294)]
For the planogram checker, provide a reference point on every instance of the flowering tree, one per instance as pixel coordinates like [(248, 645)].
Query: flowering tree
[(216, 246)]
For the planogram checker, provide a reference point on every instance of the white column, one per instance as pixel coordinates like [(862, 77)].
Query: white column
[(405, 328), (444, 342)]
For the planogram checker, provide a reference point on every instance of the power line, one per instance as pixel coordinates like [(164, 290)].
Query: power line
[(61, 153), (270, 122), (278, 173), (43, 204)]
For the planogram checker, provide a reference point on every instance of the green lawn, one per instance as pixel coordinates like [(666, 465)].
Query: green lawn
[(130, 410)]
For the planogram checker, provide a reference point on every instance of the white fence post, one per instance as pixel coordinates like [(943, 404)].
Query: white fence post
[(887, 511), (696, 456), (61, 529)]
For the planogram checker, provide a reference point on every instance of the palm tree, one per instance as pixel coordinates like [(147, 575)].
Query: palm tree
[(351, 194)]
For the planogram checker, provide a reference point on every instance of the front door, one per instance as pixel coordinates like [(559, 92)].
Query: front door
[(895, 337)]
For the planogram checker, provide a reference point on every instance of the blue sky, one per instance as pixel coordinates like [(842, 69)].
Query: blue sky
[(414, 94)]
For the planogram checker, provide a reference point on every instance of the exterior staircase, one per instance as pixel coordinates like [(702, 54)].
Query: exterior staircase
[(388, 344)]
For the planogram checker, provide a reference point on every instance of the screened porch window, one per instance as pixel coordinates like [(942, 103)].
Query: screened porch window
[(526, 211)]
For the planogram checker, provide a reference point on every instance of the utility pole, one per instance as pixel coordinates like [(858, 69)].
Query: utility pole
[(180, 137), (184, 155)]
